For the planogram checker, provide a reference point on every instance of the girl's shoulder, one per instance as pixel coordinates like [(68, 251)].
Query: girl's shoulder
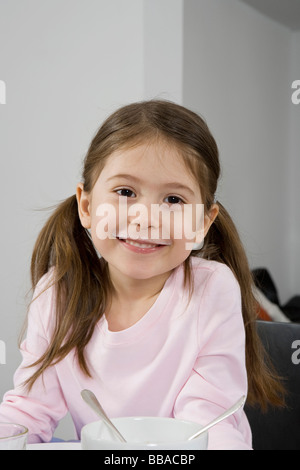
[(45, 283), (208, 267), (208, 271), (215, 289)]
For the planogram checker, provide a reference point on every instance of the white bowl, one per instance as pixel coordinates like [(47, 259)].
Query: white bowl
[(13, 436), (144, 433)]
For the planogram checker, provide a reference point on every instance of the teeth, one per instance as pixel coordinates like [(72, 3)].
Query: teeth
[(140, 245)]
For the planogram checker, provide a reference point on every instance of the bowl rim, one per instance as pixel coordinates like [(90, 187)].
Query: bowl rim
[(149, 418), (23, 432)]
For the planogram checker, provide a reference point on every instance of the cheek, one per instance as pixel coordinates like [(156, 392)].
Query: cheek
[(188, 224), (104, 222), (169, 223)]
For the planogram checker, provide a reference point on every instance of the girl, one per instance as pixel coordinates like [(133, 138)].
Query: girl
[(152, 326)]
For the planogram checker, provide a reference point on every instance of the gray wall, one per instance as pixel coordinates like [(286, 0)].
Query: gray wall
[(237, 73), (293, 227)]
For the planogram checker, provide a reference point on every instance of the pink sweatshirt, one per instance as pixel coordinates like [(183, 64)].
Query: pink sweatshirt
[(182, 359)]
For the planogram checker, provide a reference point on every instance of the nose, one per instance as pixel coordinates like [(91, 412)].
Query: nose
[(140, 214), (142, 219)]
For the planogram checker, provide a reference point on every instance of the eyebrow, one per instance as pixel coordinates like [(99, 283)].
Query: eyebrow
[(171, 185)]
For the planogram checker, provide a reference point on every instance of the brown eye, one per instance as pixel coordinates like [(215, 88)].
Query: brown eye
[(125, 192), (173, 200)]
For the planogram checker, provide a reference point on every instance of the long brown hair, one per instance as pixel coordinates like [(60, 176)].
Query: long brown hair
[(81, 279)]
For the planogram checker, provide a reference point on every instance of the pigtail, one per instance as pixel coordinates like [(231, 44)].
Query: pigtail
[(223, 244), (55, 243), (80, 281)]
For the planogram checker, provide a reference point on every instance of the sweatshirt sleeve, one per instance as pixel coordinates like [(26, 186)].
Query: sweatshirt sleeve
[(41, 409), (219, 377)]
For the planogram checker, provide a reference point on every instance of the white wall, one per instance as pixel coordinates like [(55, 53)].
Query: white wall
[(237, 75), (163, 49)]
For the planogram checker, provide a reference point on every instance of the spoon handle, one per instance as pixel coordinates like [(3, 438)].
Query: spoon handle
[(91, 400), (224, 415)]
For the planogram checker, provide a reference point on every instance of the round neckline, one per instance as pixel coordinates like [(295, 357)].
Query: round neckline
[(135, 331)]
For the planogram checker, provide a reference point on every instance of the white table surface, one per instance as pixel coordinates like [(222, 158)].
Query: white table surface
[(55, 446)]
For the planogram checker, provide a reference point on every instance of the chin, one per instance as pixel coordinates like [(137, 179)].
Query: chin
[(140, 274)]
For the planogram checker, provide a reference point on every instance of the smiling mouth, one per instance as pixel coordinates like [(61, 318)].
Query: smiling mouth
[(144, 244)]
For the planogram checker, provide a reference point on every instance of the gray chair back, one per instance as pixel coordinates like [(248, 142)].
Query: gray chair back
[(279, 429)]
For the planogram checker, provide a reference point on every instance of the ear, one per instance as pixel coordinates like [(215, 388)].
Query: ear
[(210, 218), (83, 201)]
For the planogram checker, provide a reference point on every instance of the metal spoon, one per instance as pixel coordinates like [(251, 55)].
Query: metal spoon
[(224, 415), (92, 401)]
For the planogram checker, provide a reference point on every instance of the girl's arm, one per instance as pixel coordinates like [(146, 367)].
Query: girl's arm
[(219, 376), (41, 409)]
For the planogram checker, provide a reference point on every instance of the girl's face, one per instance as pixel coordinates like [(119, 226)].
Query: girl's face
[(144, 211)]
